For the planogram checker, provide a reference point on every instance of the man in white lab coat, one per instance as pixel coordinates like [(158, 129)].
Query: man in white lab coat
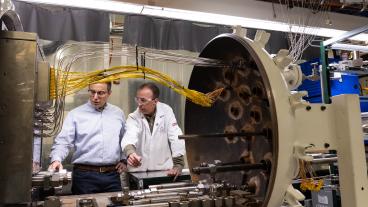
[(151, 135)]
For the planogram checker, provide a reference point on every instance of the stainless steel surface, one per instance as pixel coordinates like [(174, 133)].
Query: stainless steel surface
[(141, 180), (157, 195), (18, 52), (167, 190), (245, 106), (324, 160), (171, 185)]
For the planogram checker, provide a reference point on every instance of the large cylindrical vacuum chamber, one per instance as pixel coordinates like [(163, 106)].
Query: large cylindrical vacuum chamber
[(246, 105)]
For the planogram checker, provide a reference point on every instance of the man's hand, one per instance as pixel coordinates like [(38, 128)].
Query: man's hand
[(56, 165), (175, 171), (134, 160), (121, 167), (36, 167)]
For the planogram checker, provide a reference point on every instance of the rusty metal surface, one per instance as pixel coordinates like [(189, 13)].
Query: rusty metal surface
[(244, 106), (17, 77)]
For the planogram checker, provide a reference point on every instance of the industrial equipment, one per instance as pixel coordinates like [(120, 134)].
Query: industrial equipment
[(248, 148), (258, 100), (245, 150), (333, 43), (25, 91)]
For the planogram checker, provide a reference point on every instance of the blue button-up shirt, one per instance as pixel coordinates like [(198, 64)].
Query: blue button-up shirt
[(94, 135)]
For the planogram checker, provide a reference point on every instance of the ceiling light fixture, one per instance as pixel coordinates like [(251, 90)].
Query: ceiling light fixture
[(128, 8)]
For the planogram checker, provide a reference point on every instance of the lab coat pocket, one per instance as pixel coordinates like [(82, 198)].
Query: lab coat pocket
[(164, 161)]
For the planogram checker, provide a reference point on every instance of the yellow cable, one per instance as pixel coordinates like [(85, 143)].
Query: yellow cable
[(71, 82)]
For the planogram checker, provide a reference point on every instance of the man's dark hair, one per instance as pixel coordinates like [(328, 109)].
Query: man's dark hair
[(108, 85), (152, 87)]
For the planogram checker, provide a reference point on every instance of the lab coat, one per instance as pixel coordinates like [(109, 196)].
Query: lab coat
[(156, 149)]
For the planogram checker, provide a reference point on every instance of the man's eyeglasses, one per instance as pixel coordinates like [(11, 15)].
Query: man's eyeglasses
[(142, 101), (99, 93)]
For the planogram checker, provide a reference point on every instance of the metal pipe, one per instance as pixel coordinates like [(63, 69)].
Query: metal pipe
[(340, 46), (171, 185), (324, 160), (228, 168), (154, 195), (167, 190), (345, 35)]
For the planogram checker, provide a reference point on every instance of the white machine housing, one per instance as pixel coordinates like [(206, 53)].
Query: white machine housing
[(303, 125)]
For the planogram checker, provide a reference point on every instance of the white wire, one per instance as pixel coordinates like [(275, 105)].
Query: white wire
[(300, 23)]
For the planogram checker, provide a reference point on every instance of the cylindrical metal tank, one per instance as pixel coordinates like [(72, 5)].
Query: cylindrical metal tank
[(254, 97)]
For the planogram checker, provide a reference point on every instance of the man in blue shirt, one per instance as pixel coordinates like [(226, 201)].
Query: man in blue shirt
[(94, 130)]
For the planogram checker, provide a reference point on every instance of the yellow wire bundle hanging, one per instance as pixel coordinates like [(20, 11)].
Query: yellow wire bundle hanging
[(308, 183), (65, 83)]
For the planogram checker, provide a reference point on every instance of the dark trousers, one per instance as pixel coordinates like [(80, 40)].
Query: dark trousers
[(86, 182)]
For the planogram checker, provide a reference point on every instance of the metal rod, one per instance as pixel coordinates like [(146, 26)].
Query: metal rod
[(229, 168), (154, 195), (324, 160), (339, 46), (171, 185), (167, 190), (346, 35), (221, 135), (165, 199)]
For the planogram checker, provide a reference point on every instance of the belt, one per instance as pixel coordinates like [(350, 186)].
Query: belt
[(100, 169)]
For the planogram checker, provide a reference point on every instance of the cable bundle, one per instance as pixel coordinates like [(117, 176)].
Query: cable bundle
[(75, 81), (308, 183), (64, 82)]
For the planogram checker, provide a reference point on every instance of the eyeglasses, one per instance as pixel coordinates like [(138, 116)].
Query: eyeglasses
[(142, 101), (99, 93)]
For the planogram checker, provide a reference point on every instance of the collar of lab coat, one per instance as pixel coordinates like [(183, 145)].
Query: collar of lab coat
[(158, 119)]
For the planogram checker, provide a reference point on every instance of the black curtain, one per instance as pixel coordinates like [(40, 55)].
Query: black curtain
[(172, 34), (62, 24), (169, 34)]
